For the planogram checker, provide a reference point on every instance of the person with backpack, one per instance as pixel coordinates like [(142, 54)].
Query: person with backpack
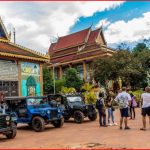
[(100, 105), (124, 101)]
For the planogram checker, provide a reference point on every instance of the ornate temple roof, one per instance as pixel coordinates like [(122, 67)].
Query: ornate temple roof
[(83, 45), (9, 49), (72, 39)]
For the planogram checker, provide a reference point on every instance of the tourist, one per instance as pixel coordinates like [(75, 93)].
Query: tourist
[(145, 97), (132, 106), (111, 109), (100, 105), (124, 100)]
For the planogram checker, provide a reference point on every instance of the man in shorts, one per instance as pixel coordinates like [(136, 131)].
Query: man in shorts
[(145, 97), (124, 101)]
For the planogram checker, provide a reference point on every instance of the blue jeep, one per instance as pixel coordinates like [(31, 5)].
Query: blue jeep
[(35, 112)]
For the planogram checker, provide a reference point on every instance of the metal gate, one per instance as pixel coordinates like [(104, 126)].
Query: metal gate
[(9, 87)]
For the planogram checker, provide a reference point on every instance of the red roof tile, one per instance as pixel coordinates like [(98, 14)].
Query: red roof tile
[(72, 39), (93, 36), (51, 48), (9, 48)]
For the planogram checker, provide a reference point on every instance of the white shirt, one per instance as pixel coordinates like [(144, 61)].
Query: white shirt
[(146, 100), (123, 99)]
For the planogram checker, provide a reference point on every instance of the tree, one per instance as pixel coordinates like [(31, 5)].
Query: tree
[(47, 80), (72, 79), (123, 64)]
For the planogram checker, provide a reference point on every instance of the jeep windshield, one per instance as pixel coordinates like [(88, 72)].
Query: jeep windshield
[(76, 99), (36, 101)]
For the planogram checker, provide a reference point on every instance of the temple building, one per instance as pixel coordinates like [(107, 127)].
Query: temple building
[(20, 67), (79, 50)]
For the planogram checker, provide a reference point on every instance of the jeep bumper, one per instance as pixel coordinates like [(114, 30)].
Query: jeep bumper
[(54, 119), (6, 130)]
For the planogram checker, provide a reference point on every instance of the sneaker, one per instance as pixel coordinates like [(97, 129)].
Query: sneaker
[(127, 128), (115, 124), (143, 129), (109, 124), (105, 126)]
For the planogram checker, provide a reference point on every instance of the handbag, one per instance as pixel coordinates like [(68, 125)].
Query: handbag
[(112, 107)]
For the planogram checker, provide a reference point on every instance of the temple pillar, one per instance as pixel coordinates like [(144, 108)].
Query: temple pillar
[(60, 72), (84, 71), (19, 79), (41, 78)]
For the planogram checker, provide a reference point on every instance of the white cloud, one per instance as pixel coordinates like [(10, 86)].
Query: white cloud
[(36, 22), (130, 31), (103, 22)]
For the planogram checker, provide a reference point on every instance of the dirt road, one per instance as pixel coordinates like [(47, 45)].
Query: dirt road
[(86, 135)]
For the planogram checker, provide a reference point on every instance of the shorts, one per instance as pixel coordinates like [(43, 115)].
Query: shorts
[(124, 112), (146, 111)]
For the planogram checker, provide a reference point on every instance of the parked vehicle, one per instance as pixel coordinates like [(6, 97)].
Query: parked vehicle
[(73, 107), (35, 112), (8, 126)]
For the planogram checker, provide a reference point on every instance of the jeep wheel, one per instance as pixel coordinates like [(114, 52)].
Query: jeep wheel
[(92, 117), (66, 118), (38, 124), (12, 133), (78, 117), (58, 123)]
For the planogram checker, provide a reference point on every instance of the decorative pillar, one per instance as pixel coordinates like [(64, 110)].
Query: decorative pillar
[(19, 79), (41, 78), (84, 71), (60, 72)]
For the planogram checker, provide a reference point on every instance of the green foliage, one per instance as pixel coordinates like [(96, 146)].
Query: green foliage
[(130, 66), (59, 84), (66, 90), (72, 79), (138, 94), (47, 81), (87, 87), (90, 97)]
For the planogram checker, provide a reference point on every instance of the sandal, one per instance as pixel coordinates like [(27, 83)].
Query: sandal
[(142, 129)]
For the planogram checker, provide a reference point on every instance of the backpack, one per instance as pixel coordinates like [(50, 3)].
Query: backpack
[(99, 104)]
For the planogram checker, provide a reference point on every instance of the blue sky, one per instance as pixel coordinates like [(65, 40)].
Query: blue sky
[(126, 11), (38, 24)]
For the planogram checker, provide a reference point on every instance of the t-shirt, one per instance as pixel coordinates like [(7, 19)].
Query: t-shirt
[(123, 99), (146, 100)]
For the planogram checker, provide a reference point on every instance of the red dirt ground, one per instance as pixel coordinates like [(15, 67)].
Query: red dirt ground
[(86, 135)]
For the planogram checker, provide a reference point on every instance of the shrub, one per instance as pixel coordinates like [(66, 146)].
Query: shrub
[(138, 94), (59, 84), (67, 90), (90, 97)]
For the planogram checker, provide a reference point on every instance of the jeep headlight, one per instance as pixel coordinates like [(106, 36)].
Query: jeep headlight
[(48, 111), (7, 118)]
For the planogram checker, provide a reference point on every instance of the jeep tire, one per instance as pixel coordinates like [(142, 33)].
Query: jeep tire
[(38, 124), (13, 132), (78, 116), (58, 123), (92, 117)]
